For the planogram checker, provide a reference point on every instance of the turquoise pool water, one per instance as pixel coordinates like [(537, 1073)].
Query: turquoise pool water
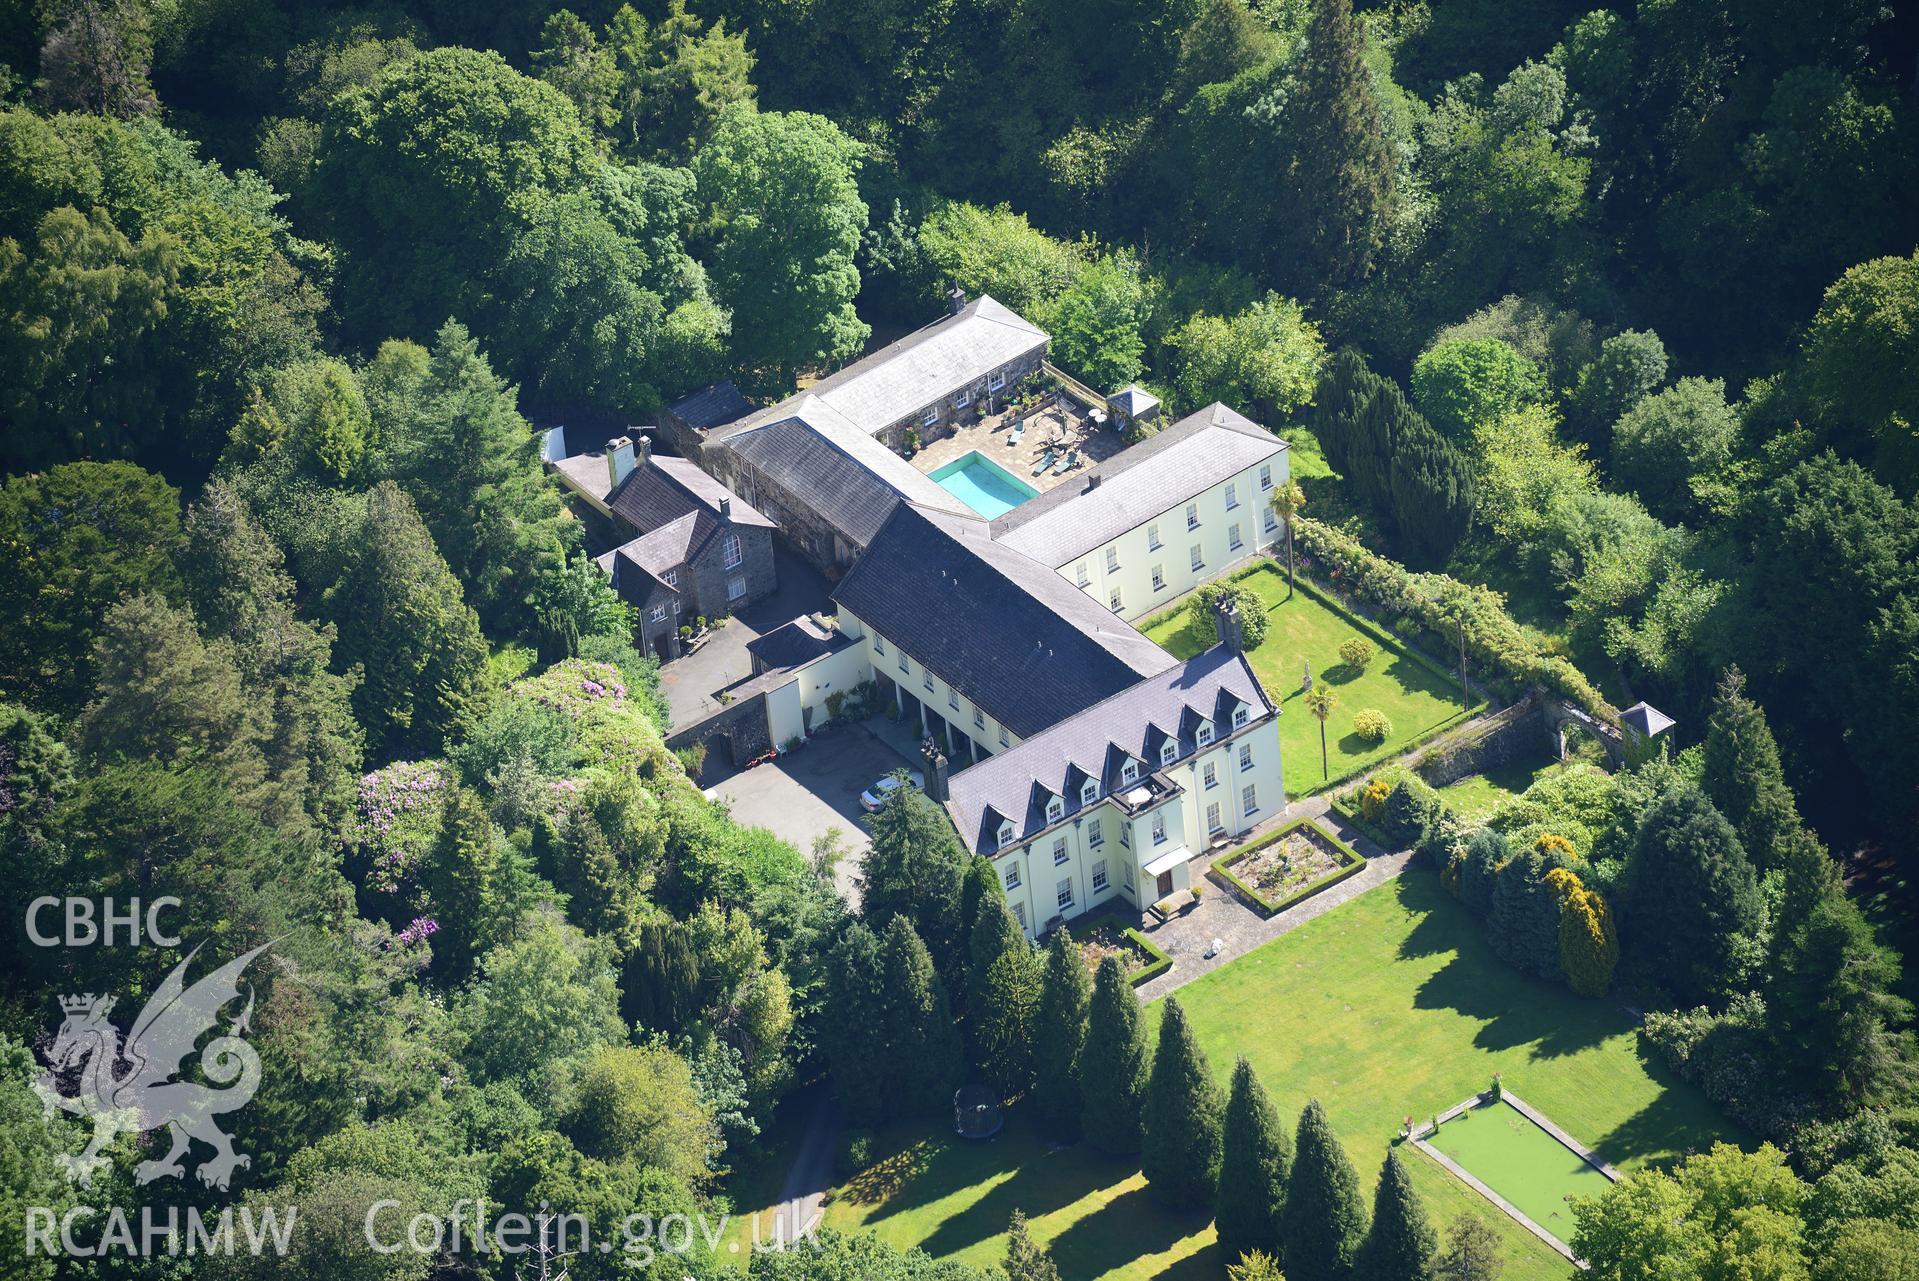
[(983, 484)]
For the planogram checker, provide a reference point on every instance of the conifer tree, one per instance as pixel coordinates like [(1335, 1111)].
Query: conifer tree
[(1002, 998), (1743, 777), (1401, 1244), (1341, 170), (1324, 1223), (1113, 1064), (1256, 1155), (856, 1009), (1179, 1151), (1694, 898), (1026, 1259), (920, 1044), (1060, 1034)]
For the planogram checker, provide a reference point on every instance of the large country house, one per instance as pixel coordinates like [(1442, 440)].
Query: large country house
[(996, 616)]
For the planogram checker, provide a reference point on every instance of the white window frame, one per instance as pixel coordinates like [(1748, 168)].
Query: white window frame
[(879, 643), (1204, 734), (1126, 870), (1115, 601), (1060, 856), (1168, 752), (1159, 827), (1270, 521), (732, 551), (1006, 835), (1240, 716), (1088, 792), (963, 398), (979, 719), (1064, 896), (952, 699), (1084, 575), (1019, 914), (1208, 777), (996, 380), (1100, 883), (671, 578), (1249, 798), (1245, 755), (1003, 739), (1265, 475), (1129, 771), (659, 613), (926, 679), (1055, 809), (906, 664), (1159, 578), (1126, 835), (1152, 537), (1012, 876), (1232, 496), (1192, 515), (1095, 835), (1112, 560), (1233, 541), (736, 588), (1214, 823), (931, 416), (1198, 558)]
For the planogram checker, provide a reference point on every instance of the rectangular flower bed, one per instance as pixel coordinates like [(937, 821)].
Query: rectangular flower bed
[(1288, 866), (1106, 934)]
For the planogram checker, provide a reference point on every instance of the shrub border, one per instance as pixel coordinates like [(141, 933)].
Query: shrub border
[(1224, 866), (1157, 962)]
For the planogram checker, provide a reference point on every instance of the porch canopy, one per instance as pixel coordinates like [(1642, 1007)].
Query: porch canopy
[(1168, 861)]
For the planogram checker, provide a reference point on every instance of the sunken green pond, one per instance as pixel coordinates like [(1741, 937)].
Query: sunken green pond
[(983, 484), (1532, 1170)]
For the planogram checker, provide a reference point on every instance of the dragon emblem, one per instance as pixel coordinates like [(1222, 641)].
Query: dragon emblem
[(145, 1095)]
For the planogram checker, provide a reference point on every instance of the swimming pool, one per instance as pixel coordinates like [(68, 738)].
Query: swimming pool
[(983, 484)]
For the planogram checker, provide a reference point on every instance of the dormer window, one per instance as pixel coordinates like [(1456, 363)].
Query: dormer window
[(1005, 835), (1204, 734), (1055, 809), (1129, 772), (1241, 716), (1089, 793), (1167, 751)]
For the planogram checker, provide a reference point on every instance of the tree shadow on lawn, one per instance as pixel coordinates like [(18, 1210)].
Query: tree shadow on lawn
[(1680, 1122), (1131, 1226), (1045, 1181), (1514, 1008)]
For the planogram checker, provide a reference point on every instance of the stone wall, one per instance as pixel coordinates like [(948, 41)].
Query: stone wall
[(740, 729), (950, 411), (706, 592), (803, 527), (1486, 743)]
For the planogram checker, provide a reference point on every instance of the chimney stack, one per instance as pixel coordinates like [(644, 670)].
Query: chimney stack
[(1226, 618), (726, 510), (645, 455), (956, 299), (1092, 483), (619, 459), (936, 789)]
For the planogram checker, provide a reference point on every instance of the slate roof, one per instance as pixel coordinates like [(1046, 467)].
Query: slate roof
[(664, 489), (906, 376), (846, 476), (1133, 400), (1095, 743), (1010, 634), (1646, 720), (790, 644), (1156, 476), (637, 582), (711, 407)]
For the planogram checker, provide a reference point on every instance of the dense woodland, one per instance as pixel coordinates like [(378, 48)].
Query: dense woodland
[(1605, 324)]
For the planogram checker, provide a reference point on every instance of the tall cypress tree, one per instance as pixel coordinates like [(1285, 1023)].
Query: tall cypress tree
[(1113, 1064), (1694, 898), (1432, 491), (1344, 391), (1256, 1155), (1060, 1034), (1401, 1244), (1341, 173), (920, 1044), (1324, 1223), (1179, 1151), (1002, 998), (855, 1013), (1743, 777), (917, 867)]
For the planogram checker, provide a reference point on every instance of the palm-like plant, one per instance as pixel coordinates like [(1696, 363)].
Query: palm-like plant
[(1288, 499), (1320, 701)]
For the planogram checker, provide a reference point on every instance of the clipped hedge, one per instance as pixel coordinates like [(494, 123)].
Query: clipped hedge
[(1157, 961), (1493, 637), (1355, 863)]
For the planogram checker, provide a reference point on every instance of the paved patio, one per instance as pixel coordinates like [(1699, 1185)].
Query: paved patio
[(1222, 915), (1062, 427)]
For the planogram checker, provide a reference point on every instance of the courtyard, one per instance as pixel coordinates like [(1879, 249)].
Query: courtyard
[(1063, 430), (1304, 631), (1390, 1005)]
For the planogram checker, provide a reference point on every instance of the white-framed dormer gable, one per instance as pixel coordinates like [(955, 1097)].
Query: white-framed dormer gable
[(1004, 836), (1168, 749), (1088, 791), (1055, 804), (1203, 733), (1242, 714), (1129, 771)]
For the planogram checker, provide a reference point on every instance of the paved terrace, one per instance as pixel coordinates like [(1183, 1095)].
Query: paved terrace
[(1062, 426)]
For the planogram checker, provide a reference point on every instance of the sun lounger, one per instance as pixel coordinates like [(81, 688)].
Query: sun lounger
[(1017, 432), (1044, 465), (1066, 463)]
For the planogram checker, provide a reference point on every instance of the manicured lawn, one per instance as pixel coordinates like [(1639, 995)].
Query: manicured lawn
[(1502, 1148), (1476, 796), (1415, 698), (1389, 1006)]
